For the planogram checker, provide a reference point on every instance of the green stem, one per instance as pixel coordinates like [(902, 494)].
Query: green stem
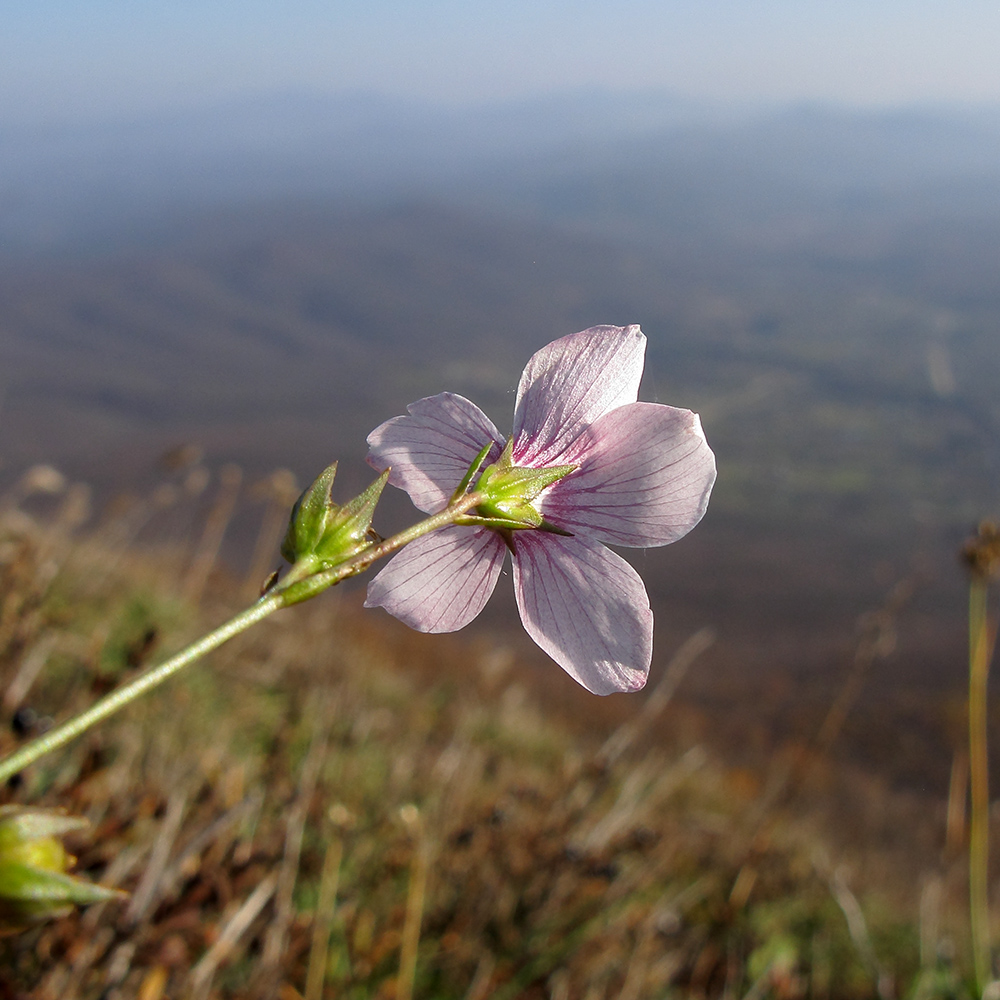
[(283, 595), (111, 703), (979, 664)]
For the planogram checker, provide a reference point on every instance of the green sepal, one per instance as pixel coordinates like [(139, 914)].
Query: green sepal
[(511, 524), (322, 534), (509, 492), (309, 517), (349, 528), (477, 462), (34, 882), (21, 825), (23, 885)]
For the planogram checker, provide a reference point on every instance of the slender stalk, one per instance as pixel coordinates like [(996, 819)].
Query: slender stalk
[(119, 698), (292, 591), (979, 662)]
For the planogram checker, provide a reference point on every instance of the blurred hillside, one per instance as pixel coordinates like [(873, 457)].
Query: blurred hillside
[(821, 285)]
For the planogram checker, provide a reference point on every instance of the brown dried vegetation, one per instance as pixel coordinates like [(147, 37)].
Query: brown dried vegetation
[(325, 809)]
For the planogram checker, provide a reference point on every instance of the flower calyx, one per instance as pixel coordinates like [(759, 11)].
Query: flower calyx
[(34, 880), (322, 534), (509, 493)]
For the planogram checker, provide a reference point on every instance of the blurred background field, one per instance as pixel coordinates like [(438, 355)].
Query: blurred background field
[(335, 806)]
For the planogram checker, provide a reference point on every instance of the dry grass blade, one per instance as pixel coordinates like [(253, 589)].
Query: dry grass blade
[(626, 735), (858, 928), (323, 921), (415, 899), (479, 988), (200, 981), (154, 984), (878, 640), (231, 478), (284, 911), (279, 491), (32, 664), (638, 965), (206, 837), (644, 778), (146, 893)]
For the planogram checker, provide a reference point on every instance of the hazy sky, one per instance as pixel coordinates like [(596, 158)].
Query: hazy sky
[(65, 58)]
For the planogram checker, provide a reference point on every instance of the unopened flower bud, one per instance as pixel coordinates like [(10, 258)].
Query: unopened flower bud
[(34, 884), (322, 534), (310, 515)]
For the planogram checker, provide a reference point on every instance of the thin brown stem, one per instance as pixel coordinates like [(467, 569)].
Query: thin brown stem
[(980, 651)]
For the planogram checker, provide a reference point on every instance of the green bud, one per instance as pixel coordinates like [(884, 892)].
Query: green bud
[(310, 516), (349, 529), (34, 884), (509, 492), (322, 534)]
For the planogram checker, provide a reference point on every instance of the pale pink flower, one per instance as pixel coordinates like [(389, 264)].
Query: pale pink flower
[(643, 476)]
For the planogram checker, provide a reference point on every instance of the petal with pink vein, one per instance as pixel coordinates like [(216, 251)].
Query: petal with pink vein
[(432, 446), (586, 607), (440, 582), (567, 385), (644, 479)]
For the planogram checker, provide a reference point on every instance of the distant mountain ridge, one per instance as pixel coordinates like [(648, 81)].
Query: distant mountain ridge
[(78, 181), (63, 180)]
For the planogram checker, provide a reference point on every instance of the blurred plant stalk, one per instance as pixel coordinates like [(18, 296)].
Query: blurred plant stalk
[(982, 556)]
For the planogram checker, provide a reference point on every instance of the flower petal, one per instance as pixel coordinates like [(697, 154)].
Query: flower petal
[(645, 476), (440, 582), (586, 607), (571, 382), (431, 448)]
